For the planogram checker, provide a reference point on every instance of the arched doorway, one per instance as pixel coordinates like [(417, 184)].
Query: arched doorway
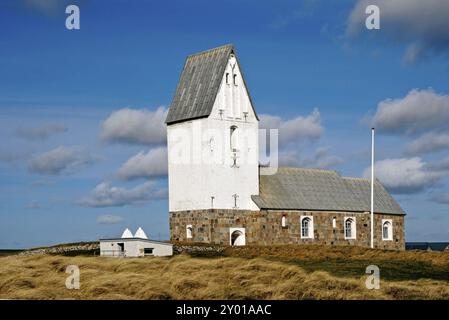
[(237, 236)]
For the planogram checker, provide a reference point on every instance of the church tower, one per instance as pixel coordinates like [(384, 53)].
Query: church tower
[(212, 136)]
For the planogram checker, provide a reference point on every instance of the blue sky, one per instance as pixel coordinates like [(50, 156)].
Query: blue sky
[(64, 95)]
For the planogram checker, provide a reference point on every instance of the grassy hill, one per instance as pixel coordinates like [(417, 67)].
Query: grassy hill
[(271, 272)]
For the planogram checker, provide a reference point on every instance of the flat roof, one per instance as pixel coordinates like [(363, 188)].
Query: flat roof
[(137, 239)]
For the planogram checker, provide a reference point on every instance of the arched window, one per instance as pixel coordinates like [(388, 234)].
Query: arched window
[(387, 230), (350, 232), (234, 76), (284, 221), (334, 223), (234, 138), (306, 228), (237, 236), (189, 232)]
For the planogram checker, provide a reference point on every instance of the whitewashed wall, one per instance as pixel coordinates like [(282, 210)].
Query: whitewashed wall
[(200, 156), (134, 248)]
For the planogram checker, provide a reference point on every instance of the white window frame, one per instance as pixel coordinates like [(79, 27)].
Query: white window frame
[(311, 230), (284, 221), (390, 233), (189, 231), (353, 228)]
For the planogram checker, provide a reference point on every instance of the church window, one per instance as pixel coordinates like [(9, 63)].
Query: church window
[(234, 138), (350, 232), (235, 79), (387, 230), (334, 223), (227, 77), (235, 196), (284, 221), (189, 232), (306, 228)]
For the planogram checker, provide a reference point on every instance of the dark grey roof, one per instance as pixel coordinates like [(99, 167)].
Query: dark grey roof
[(199, 84), (315, 189)]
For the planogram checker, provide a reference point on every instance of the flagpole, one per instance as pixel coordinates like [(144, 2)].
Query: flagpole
[(372, 187)]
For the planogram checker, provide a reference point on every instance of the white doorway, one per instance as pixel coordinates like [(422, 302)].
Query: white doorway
[(237, 236)]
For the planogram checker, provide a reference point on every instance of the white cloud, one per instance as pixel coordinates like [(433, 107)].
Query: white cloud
[(150, 164), (106, 195), (405, 175), (41, 132), (294, 130), (135, 126), (109, 219), (61, 159), (429, 142), (417, 111), (422, 25), (320, 159)]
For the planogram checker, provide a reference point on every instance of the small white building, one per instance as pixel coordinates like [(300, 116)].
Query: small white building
[(137, 246)]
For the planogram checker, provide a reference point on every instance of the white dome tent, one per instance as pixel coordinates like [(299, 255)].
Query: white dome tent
[(127, 233), (140, 234)]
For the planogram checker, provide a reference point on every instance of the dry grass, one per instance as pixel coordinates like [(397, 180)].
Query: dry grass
[(276, 275)]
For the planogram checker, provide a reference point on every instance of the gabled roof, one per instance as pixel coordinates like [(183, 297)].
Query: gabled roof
[(199, 84), (315, 189)]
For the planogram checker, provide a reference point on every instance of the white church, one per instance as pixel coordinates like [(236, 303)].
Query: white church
[(218, 192)]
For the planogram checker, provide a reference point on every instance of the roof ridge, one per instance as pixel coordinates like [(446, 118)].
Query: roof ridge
[(310, 169), (212, 49)]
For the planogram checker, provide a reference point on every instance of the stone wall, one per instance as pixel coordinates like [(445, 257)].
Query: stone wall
[(88, 247), (264, 227)]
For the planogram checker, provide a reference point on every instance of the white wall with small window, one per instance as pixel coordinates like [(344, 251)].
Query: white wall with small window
[(307, 231), (350, 228), (387, 229)]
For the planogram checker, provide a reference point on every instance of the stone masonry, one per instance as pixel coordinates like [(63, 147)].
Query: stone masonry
[(264, 227)]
